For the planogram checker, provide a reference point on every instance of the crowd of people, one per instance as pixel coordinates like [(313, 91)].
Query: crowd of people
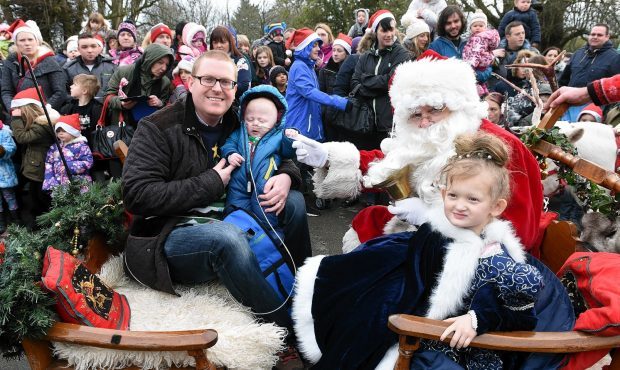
[(217, 115)]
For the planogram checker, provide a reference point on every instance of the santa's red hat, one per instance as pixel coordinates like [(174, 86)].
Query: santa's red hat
[(25, 97), (69, 123), (302, 38), (344, 41), (377, 17), (159, 29)]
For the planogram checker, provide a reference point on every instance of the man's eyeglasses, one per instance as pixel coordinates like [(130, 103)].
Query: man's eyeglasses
[(417, 115), (209, 81)]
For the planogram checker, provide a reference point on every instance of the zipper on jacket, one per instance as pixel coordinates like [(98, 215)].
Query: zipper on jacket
[(374, 101), (309, 122)]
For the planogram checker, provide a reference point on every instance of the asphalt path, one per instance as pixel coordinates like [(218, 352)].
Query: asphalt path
[(326, 233)]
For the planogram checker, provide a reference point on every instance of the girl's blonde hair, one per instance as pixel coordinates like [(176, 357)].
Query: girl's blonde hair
[(267, 50), (476, 153), (330, 35), (30, 112)]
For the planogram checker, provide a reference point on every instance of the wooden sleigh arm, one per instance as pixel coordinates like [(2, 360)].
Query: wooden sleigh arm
[(186, 340), (412, 328), (192, 341)]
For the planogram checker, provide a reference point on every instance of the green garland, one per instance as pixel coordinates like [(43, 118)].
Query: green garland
[(26, 310), (589, 193)]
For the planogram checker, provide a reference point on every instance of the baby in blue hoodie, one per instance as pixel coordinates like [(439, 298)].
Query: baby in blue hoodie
[(257, 148)]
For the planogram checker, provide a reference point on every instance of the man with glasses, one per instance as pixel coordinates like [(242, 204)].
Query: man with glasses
[(595, 60), (173, 179)]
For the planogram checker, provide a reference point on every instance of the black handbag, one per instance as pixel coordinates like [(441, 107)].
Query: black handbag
[(358, 119), (104, 135)]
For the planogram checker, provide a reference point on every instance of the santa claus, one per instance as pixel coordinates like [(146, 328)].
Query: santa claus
[(434, 101), (342, 302)]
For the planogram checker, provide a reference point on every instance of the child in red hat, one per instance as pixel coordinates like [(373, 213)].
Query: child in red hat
[(75, 150)]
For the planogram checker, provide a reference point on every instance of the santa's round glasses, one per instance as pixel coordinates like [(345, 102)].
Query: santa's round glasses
[(431, 114)]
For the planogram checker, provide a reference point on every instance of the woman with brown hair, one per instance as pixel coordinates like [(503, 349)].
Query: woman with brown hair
[(222, 39)]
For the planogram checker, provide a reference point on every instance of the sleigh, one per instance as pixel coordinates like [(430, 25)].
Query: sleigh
[(560, 240), (195, 342)]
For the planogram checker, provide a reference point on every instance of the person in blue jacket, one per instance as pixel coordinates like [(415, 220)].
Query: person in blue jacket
[(256, 148), (302, 93), (450, 27)]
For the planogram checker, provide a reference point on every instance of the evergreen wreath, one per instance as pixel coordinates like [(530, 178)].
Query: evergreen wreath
[(592, 196), (26, 310)]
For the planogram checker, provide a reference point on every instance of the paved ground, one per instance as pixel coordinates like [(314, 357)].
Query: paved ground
[(326, 232)]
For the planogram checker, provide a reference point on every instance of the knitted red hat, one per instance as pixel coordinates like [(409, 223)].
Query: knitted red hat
[(302, 38), (344, 41), (377, 17), (158, 29), (25, 97), (70, 123)]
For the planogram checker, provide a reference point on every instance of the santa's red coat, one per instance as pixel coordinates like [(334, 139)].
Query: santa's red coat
[(524, 208)]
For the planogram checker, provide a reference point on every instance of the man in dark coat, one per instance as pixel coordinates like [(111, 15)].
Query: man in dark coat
[(172, 179), (595, 60)]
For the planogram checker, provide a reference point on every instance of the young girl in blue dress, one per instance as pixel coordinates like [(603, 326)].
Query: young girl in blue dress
[(464, 266)]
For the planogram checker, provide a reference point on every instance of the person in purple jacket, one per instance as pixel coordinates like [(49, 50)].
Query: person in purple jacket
[(75, 149)]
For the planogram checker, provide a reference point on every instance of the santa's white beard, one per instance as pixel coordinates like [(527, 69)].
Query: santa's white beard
[(426, 149)]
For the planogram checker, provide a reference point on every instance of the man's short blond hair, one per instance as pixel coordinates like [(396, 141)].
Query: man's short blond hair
[(214, 55)]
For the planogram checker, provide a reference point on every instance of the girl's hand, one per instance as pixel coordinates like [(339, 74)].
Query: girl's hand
[(235, 159), (16, 112), (463, 331), (154, 101)]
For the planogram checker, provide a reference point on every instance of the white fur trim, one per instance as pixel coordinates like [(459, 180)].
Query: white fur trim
[(381, 17), (343, 177), (303, 321), (16, 103), (389, 359), (68, 128), (395, 225), (243, 343), (461, 260), (435, 82), (310, 38), (344, 44), (350, 241)]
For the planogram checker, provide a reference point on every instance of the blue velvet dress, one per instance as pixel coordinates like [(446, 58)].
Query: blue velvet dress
[(354, 294)]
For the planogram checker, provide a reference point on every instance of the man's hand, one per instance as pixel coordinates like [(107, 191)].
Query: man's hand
[(463, 331), (275, 193), (310, 152), (413, 210), (128, 104), (224, 171), (154, 101), (235, 159), (570, 95)]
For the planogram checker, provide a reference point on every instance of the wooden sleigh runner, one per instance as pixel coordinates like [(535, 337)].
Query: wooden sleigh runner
[(560, 240)]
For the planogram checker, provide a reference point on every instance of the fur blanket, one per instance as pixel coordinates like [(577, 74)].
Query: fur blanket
[(242, 342)]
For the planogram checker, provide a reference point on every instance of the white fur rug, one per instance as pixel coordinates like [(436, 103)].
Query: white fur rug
[(242, 342)]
